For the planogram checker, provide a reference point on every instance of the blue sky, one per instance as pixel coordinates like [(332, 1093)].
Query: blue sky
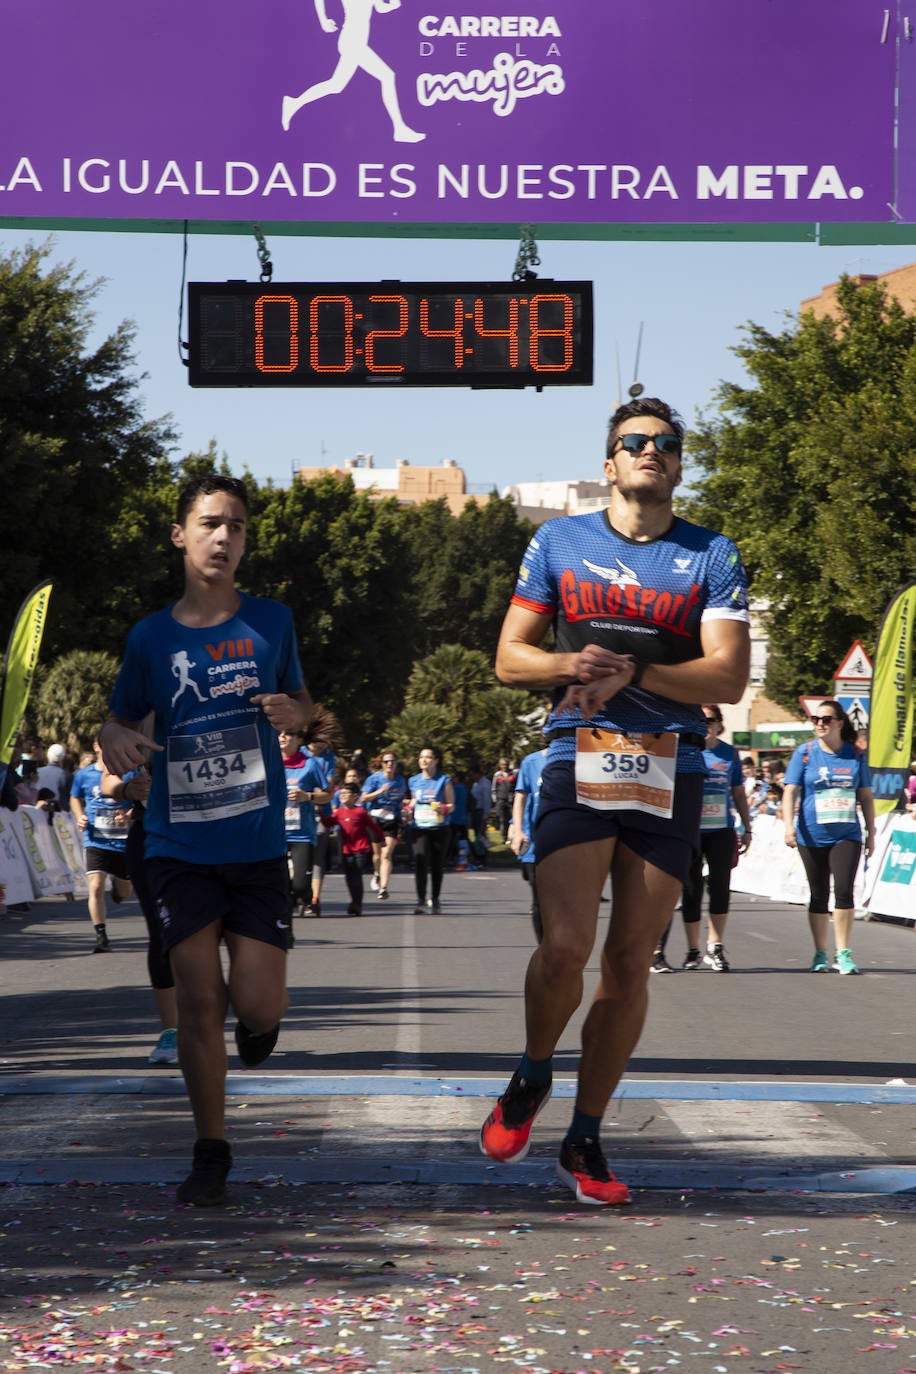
[(691, 299)]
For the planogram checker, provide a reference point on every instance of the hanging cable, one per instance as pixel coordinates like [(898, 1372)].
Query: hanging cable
[(527, 256), (267, 267), (182, 343)]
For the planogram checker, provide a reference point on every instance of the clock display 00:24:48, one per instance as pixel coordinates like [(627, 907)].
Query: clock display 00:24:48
[(466, 334)]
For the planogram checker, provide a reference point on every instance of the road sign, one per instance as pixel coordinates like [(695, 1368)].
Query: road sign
[(855, 667), (856, 708)]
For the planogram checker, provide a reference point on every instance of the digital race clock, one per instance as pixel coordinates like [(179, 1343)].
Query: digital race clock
[(476, 334)]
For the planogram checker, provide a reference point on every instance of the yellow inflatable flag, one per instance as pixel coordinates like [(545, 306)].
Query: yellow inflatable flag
[(21, 658), (890, 712)]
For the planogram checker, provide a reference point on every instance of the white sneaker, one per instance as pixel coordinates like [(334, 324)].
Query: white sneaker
[(373, 883)]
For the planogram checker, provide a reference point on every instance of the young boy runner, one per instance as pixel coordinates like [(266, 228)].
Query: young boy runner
[(358, 830), (220, 671)]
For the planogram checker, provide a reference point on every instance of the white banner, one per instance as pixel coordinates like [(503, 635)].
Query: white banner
[(38, 859), (15, 875), (71, 847), (771, 869), (893, 869)]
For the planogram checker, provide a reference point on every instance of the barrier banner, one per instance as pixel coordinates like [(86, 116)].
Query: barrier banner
[(890, 729), (15, 875), (42, 853), (71, 848), (771, 869), (894, 889)]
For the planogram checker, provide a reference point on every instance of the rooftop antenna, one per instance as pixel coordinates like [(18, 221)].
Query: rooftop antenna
[(636, 387)]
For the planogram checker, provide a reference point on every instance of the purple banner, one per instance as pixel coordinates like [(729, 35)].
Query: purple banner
[(391, 111)]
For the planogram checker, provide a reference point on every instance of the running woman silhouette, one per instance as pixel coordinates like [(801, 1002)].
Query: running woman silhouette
[(355, 54)]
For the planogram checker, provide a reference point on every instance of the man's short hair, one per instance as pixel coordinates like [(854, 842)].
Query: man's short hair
[(57, 754), (206, 485)]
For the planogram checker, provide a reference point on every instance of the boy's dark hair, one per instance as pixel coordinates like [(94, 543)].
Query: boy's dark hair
[(205, 486), (635, 410)]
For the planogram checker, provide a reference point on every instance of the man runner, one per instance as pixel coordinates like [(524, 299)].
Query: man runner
[(651, 620), (215, 840)]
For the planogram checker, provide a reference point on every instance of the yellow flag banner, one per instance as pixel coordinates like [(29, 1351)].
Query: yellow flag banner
[(21, 658), (890, 723)]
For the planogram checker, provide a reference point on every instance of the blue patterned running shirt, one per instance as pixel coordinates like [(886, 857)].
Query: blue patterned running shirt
[(645, 599)]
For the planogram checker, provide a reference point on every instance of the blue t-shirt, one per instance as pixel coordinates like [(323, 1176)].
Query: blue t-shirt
[(387, 805), (109, 820), (218, 790), (424, 791), (828, 783), (300, 816), (327, 763), (459, 815), (723, 772), (646, 599), (529, 782)]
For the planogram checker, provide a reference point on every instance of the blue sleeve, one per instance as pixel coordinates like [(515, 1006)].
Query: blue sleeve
[(735, 776), (130, 699), (726, 583), (795, 773), (535, 587), (864, 772)]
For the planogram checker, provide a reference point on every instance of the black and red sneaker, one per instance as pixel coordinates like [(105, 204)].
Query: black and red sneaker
[(583, 1168), (505, 1135)]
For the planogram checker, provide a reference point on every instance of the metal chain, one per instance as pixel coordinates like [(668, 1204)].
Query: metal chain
[(267, 267), (527, 256)]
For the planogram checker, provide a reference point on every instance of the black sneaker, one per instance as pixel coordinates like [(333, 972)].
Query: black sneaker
[(102, 943), (205, 1185), (505, 1135), (692, 961), (659, 963), (254, 1049)]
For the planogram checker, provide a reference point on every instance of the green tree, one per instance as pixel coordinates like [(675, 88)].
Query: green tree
[(810, 467), (462, 571), (454, 701), (337, 560), (72, 701), (75, 452)]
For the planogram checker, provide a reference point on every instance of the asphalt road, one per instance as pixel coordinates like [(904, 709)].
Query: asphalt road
[(765, 1124)]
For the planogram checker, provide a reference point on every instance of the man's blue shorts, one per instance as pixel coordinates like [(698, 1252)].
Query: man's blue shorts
[(667, 844)]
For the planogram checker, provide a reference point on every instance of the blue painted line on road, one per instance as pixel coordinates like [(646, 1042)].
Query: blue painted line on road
[(687, 1176), (170, 1083)]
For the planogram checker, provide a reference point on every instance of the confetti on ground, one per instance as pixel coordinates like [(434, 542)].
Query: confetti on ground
[(395, 1281)]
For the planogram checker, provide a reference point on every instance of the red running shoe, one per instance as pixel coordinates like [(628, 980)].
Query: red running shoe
[(505, 1133), (583, 1168)]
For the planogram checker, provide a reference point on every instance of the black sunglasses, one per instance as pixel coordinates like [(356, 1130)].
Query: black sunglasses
[(664, 443), (823, 720)]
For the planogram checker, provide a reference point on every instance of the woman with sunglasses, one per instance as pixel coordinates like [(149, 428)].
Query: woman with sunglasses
[(828, 781), (383, 796)]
